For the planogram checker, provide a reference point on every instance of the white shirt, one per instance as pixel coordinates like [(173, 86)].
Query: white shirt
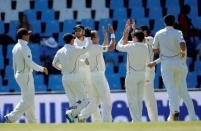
[(96, 60), (67, 58), (22, 58), (168, 41), (137, 55), (80, 43), (149, 43)]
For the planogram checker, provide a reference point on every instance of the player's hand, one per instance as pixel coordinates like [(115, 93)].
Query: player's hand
[(111, 29), (151, 64), (133, 24), (104, 31), (45, 70)]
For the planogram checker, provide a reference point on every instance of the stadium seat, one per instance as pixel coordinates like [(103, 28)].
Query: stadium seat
[(156, 82), (69, 25), (98, 4), (142, 21), (35, 50), (1, 27), (52, 27), (173, 11), (22, 5), (36, 26), (5, 5), (122, 70), (66, 14), (88, 22), (197, 67), (39, 83), (114, 82), (135, 4), (48, 15), (121, 25), (84, 14), (120, 14), (189, 61), (55, 83), (158, 25), (9, 53), (31, 15), (155, 13), (191, 2), (12, 84), (9, 17), (158, 69), (59, 5), (116, 4), (12, 29), (111, 57), (102, 14), (41, 5), (192, 80), (78, 5), (196, 22), (137, 13), (155, 3), (1, 58)]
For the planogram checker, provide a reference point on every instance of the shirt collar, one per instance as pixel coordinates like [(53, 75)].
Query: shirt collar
[(22, 42), (68, 45), (169, 27)]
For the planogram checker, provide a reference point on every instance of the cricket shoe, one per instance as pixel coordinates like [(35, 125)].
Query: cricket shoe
[(70, 116), (174, 117), (6, 120)]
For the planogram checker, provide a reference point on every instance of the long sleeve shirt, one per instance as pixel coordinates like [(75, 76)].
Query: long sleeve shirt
[(22, 58), (67, 58)]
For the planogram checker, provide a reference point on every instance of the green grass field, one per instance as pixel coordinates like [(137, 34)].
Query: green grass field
[(159, 126)]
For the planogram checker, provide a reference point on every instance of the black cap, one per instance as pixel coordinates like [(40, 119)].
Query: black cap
[(68, 37), (21, 32), (78, 27)]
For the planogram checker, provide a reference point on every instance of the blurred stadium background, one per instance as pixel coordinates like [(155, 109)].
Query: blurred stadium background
[(53, 18)]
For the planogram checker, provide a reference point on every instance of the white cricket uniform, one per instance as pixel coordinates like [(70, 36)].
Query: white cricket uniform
[(135, 78), (84, 69), (67, 60), (168, 42), (149, 97), (99, 81), (182, 90), (23, 67)]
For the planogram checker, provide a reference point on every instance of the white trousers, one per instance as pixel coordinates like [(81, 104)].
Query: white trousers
[(135, 89), (149, 97), (92, 108), (102, 88), (182, 93), (26, 105), (171, 74)]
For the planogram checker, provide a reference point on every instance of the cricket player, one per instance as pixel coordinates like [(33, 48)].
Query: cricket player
[(67, 61), (97, 68), (23, 67), (84, 69), (170, 43), (149, 97), (181, 89), (136, 67)]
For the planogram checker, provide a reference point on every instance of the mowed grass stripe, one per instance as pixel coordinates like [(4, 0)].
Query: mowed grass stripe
[(156, 126)]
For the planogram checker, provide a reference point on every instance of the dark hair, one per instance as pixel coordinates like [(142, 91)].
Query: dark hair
[(185, 9), (139, 35), (68, 37), (21, 32), (145, 28), (169, 20)]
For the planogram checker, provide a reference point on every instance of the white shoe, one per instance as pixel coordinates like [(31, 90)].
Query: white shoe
[(69, 116)]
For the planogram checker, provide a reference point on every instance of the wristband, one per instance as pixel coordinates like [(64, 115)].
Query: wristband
[(112, 36)]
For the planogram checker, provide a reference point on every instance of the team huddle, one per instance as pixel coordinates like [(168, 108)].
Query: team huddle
[(82, 67)]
